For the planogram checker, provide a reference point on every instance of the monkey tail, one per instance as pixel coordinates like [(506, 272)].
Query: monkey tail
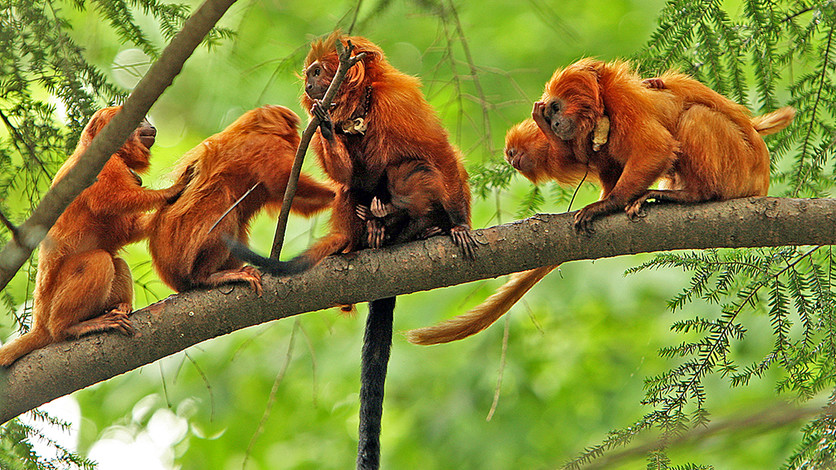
[(773, 122), (483, 315), (272, 266), (377, 344), (23, 344)]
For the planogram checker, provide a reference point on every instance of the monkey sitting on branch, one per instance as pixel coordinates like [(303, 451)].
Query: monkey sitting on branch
[(700, 145), (83, 285)]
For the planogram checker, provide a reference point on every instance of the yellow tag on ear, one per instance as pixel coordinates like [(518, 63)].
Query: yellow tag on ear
[(600, 133), (355, 126)]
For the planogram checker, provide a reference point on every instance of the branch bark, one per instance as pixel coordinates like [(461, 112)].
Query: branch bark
[(82, 175), (186, 319)]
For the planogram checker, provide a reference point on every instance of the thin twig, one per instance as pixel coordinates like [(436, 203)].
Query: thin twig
[(233, 206), (8, 223), (346, 62), (272, 398)]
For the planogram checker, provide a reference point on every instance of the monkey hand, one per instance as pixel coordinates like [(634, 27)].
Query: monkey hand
[(363, 212), (379, 209), (585, 216), (464, 240), (326, 126), (173, 193), (655, 82), (539, 117)]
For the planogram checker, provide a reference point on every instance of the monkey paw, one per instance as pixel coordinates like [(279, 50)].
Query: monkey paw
[(363, 212), (636, 209), (431, 231), (463, 238), (376, 233), (654, 83), (583, 221), (116, 320), (252, 276), (326, 126), (378, 208)]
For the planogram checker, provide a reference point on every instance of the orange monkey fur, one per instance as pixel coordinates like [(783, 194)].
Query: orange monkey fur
[(399, 128), (402, 128), (82, 285), (258, 147), (721, 156)]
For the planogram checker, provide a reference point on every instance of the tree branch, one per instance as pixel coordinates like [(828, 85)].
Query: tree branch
[(82, 175), (186, 319)]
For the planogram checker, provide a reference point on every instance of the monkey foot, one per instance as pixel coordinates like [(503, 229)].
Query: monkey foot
[(376, 233), (463, 238), (123, 307), (654, 83), (248, 274), (112, 320), (583, 220)]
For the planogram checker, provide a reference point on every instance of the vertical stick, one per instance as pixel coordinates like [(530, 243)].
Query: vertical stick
[(346, 62)]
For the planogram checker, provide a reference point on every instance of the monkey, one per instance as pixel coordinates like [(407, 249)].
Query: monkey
[(257, 149), (705, 140), (381, 141), (414, 210), (720, 155), (82, 284)]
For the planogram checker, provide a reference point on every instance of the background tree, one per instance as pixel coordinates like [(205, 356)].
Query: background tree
[(748, 322)]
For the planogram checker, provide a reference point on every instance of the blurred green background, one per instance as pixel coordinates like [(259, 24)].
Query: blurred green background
[(578, 346)]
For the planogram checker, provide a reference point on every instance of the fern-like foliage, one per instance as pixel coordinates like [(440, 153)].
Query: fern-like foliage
[(18, 453), (48, 91), (773, 54)]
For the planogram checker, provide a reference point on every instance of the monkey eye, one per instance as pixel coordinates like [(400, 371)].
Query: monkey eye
[(510, 152), (316, 72), (555, 106)]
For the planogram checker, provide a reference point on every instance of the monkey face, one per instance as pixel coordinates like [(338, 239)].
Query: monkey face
[(147, 133), (317, 81), (563, 125)]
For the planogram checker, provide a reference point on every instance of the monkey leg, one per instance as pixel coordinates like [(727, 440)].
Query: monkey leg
[(214, 267), (86, 282), (634, 210), (122, 290), (640, 171)]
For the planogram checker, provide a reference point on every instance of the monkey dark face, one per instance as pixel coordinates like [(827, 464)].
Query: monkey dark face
[(147, 133), (519, 159), (563, 126), (316, 81)]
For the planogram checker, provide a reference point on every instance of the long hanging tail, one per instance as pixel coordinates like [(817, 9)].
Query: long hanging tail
[(773, 122), (484, 314), (377, 343), (22, 345)]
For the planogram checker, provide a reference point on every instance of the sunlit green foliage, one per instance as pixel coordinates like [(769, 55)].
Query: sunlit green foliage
[(591, 359)]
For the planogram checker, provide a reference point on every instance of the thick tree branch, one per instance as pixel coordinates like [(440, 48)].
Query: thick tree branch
[(183, 320), (152, 85)]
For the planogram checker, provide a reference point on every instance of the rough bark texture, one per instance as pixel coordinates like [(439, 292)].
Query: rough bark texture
[(82, 175), (180, 321)]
